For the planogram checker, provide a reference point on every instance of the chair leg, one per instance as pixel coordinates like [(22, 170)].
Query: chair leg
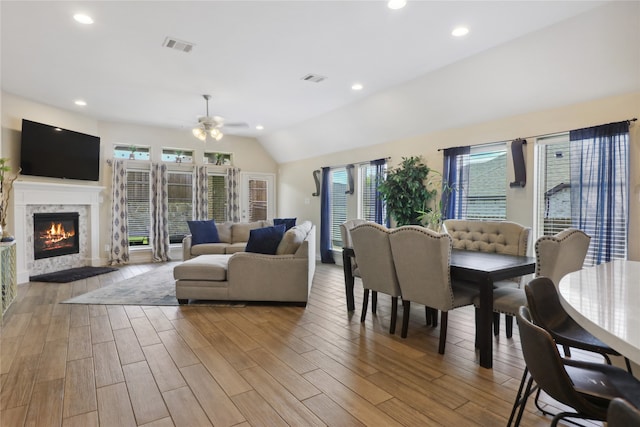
[(443, 331), (394, 315), (525, 397), (434, 317), (365, 303), (520, 398), (477, 315), (567, 351), (406, 308), (496, 323), (508, 324), (374, 301), (427, 314)]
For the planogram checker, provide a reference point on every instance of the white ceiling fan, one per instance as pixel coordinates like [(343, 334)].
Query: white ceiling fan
[(210, 126)]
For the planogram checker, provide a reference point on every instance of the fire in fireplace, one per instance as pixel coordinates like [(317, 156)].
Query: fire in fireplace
[(55, 234)]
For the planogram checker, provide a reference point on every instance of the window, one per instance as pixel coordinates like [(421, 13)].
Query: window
[(180, 195), (177, 155), (131, 152), (367, 193), (585, 167), (486, 197), (138, 212), (338, 204), (258, 195), (218, 159), (217, 198)]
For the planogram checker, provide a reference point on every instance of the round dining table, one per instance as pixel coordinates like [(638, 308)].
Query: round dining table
[(605, 300)]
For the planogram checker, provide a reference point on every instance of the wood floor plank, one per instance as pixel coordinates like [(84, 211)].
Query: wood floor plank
[(165, 422), (88, 419), (19, 381), (164, 370), (330, 412), (80, 346), (13, 416), (118, 317), (257, 411), (114, 407), (79, 315), (146, 399), (228, 378), (290, 379), (364, 411), (128, 346), (214, 401), (180, 352), (8, 350), (53, 361), (100, 329), (286, 404), (79, 388), (184, 408), (107, 364), (45, 408), (157, 319), (144, 331)]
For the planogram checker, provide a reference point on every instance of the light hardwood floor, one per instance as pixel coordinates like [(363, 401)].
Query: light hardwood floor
[(90, 365)]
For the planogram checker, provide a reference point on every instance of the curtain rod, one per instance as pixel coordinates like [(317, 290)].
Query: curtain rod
[(355, 163), (539, 136)]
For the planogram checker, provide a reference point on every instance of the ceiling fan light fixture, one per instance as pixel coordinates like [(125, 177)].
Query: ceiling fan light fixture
[(216, 134), (199, 133)]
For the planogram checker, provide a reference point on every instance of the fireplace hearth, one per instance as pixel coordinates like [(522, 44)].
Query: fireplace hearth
[(55, 234)]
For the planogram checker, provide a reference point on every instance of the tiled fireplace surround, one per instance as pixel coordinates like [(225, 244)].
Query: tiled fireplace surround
[(40, 197)]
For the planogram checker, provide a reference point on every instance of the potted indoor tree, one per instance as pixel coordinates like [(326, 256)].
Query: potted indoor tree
[(405, 191)]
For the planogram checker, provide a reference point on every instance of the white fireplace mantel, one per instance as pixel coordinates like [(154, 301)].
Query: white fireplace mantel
[(27, 193)]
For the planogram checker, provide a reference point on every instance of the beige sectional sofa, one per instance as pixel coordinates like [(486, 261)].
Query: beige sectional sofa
[(244, 276), (233, 238)]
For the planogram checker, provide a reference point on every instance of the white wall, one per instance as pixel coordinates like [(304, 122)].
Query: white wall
[(296, 184), (248, 154)]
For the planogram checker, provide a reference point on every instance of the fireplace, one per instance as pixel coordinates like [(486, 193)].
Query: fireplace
[(55, 234)]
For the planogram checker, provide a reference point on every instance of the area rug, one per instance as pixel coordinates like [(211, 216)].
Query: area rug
[(156, 287), (71, 275)]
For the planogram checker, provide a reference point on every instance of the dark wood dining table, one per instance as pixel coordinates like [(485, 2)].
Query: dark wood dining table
[(482, 268)]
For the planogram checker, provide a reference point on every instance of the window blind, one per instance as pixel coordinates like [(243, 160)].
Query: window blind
[(138, 213), (180, 199)]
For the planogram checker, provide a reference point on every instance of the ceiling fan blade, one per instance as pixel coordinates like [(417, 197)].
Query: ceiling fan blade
[(236, 125)]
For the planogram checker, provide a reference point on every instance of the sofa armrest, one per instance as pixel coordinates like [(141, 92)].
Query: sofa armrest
[(186, 248), (259, 277)]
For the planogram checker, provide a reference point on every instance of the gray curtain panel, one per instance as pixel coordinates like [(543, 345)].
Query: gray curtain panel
[(233, 194), (200, 193), (159, 235), (119, 247)]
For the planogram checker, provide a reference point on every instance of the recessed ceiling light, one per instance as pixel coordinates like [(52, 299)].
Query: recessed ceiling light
[(80, 102), (83, 19), (259, 127), (396, 4), (357, 86), (460, 31)]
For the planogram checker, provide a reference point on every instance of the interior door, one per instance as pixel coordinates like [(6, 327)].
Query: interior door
[(258, 196)]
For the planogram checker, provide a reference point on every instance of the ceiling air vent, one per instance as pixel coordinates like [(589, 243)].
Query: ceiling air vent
[(173, 43), (315, 78)]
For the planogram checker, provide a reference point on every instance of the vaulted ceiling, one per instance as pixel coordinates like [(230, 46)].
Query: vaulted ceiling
[(251, 57)]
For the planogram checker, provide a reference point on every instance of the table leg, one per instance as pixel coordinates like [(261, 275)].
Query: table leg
[(484, 333), (348, 280)]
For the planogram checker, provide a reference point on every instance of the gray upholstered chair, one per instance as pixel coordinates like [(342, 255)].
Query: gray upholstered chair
[(347, 242), (561, 254), (422, 259), (375, 265), (504, 237)]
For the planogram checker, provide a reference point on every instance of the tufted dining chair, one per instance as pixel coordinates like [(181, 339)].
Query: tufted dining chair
[(376, 267), (504, 237), (422, 259), (561, 254)]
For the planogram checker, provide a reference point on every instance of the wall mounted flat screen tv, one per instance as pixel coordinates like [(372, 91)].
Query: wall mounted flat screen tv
[(54, 152)]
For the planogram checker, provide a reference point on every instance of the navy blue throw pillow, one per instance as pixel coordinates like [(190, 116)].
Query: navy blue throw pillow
[(288, 222), (203, 232), (265, 240)]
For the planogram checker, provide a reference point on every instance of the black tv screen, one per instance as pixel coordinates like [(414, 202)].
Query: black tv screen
[(59, 153)]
